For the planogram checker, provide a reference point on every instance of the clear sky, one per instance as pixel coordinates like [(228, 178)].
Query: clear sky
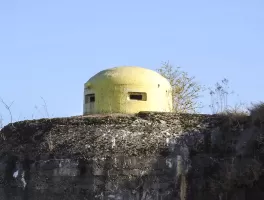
[(50, 48)]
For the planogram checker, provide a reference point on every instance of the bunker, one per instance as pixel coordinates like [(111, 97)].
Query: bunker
[(127, 89)]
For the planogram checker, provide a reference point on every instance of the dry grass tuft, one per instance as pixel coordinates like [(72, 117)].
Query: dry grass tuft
[(236, 112)]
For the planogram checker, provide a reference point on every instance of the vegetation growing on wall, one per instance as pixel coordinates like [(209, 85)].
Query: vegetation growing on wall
[(257, 112), (220, 95), (185, 90)]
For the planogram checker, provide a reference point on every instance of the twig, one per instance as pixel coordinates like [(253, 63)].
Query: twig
[(8, 107), (1, 122), (45, 107)]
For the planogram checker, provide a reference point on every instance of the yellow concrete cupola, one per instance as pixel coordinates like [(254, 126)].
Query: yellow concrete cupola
[(127, 90)]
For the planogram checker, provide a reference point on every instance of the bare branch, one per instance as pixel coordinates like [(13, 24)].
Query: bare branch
[(1, 122), (45, 107), (8, 107)]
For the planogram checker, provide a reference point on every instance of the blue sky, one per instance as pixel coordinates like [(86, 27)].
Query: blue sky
[(50, 48)]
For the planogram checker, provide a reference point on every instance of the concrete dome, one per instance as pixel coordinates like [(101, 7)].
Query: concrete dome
[(128, 75), (127, 89)]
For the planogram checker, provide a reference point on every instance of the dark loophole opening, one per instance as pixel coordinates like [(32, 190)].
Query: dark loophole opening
[(136, 97), (89, 98), (92, 99)]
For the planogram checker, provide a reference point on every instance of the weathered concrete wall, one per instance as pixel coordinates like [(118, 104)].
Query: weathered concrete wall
[(154, 156), (68, 179)]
